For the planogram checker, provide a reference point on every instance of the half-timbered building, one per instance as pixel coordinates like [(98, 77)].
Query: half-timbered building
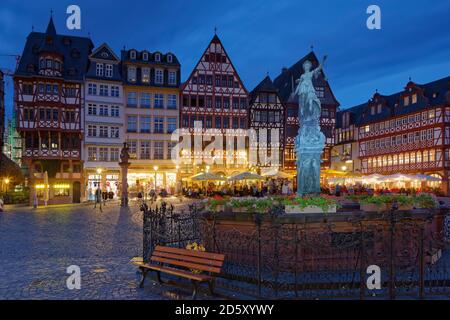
[(215, 98), (104, 119), (406, 132), (48, 101), (266, 115), (285, 83)]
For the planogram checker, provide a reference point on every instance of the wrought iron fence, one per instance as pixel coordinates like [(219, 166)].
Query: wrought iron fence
[(275, 259)]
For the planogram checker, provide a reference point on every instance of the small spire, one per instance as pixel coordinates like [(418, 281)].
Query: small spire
[(410, 79), (376, 90), (32, 28), (312, 47), (51, 13), (215, 31)]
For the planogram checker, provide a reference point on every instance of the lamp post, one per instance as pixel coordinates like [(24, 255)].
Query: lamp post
[(6, 184)]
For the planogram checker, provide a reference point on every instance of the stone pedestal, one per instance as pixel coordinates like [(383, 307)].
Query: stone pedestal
[(309, 145)]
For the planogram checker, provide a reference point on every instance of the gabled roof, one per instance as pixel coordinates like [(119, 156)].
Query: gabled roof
[(285, 82), (74, 50), (266, 85), (104, 52), (215, 39), (433, 94)]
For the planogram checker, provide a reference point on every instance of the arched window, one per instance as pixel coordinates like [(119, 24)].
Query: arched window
[(157, 57), (169, 58)]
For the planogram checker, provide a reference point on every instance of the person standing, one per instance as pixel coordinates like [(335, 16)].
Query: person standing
[(98, 198)]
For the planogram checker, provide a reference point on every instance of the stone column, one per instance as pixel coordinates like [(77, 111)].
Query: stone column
[(124, 164)]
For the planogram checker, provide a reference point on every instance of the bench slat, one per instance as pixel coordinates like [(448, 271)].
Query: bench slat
[(178, 272), (189, 265), (186, 252), (208, 262)]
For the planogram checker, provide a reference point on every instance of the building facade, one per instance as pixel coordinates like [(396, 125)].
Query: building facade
[(285, 83), (104, 119), (2, 109), (12, 143), (266, 115), (406, 132), (151, 82), (48, 102), (215, 99)]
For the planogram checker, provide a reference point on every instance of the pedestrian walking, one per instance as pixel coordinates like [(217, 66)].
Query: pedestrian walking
[(98, 198)]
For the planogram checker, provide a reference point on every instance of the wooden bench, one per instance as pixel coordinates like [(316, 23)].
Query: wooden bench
[(197, 266)]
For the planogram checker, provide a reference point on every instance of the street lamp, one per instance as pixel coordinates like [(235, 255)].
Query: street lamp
[(344, 168), (6, 183)]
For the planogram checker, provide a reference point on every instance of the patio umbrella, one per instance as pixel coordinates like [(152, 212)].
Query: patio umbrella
[(245, 176), (425, 177), (206, 176), (276, 174)]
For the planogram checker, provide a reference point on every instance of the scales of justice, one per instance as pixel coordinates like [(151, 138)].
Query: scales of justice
[(310, 141)]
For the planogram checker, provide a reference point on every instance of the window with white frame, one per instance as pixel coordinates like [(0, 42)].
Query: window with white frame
[(92, 153), (171, 101), (169, 58), (92, 89), (132, 73), (109, 70), (172, 78), (115, 111), (158, 152), (115, 91), (99, 69), (145, 56), (145, 149), (158, 125), (103, 154), (132, 54), (170, 146), (103, 90), (157, 57), (132, 148), (114, 154), (159, 76), (103, 110), (92, 109), (159, 101), (103, 131), (145, 75), (114, 132), (92, 130)]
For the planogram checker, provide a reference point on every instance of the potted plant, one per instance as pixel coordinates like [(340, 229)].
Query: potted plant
[(376, 203), (425, 201), (216, 204), (310, 205)]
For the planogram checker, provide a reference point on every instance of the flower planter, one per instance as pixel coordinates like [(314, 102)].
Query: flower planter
[(370, 207), (296, 209), (405, 207), (239, 209)]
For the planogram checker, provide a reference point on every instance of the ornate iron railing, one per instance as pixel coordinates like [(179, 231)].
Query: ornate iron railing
[(269, 258)]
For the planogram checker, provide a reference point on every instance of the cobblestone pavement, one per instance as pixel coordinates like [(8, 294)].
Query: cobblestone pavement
[(37, 246)]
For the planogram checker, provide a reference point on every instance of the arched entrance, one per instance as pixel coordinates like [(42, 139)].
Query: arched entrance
[(76, 194)]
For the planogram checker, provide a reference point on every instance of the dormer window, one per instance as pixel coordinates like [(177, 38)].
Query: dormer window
[(132, 54), (145, 56), (372, 110), (414, 98), (158, 57), (99, 69), (406, 101), (104, 55), (379, 108), (169, 58), (49, 63)]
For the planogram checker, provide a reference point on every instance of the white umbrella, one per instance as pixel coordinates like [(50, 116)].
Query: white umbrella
[(246, 176), (277, 174), (46, 188), (425, 177), (206, 176)]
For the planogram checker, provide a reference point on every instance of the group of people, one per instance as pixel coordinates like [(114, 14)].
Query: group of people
[(359, 189), (256, 189)]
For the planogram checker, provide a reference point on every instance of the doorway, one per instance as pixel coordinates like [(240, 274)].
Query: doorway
[(76, 195)]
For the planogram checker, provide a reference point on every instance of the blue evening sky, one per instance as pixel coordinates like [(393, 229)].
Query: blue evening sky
[(261, 36)]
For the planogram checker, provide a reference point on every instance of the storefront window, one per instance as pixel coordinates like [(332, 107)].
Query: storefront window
[(61, 190)]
